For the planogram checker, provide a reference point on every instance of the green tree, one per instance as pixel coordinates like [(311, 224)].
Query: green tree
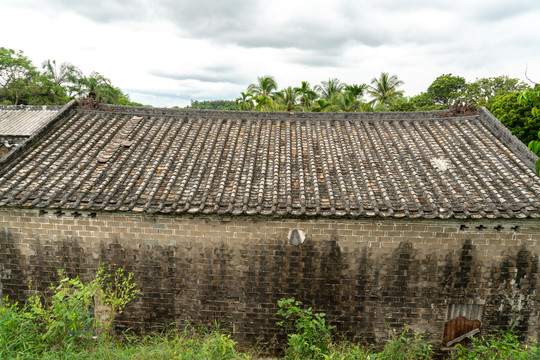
[(213, 105), (264, 103), (306, 95), (345, 102), (16, 75), (357, 92), (383, 90), (66, 76), (424, 102), (531, 98), (288, 98), (265, 86), (484, 91), (263, 92), (321, 105), (447, 89), (103, 89), (245, 101), (330, 87), (402, 104), (517, 117)]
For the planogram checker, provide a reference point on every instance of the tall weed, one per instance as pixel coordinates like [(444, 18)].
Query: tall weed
[(309, 336)]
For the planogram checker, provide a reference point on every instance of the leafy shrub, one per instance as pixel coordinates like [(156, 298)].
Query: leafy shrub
[(114, 292), (65, 318), (309, 337), (502, 345), (66, 315)]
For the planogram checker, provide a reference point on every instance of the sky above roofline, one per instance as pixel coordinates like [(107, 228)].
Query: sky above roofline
[(165, 53)]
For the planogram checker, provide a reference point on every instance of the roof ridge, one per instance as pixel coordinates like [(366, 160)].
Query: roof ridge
[(31, 107), (385, 116)]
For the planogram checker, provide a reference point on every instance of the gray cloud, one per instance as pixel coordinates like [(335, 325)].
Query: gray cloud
[(217, 74), (210, 19), (325, 27), (314, 59), (505, 10), (99, 11), (160, 98)]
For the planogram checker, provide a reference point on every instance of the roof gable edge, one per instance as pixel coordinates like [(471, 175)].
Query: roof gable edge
[(500, 131)]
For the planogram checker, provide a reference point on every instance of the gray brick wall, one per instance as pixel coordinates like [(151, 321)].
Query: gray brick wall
[(369, 276)]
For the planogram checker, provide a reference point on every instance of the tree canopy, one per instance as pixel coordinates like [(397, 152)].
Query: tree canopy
[(22, 83)]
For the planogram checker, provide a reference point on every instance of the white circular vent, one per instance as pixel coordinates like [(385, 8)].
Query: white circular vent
[(296, 237)]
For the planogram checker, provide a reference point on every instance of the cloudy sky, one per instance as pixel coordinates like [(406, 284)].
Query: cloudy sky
[(167, 52)]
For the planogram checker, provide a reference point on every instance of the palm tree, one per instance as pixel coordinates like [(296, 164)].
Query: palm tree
[(321, 105), (327, 88), (343, 101), (263, 92), (356, 91), (288, 98), (264, 103), (245, 102), (100, 87), (384, 90), (66, 75), (265, 86), (307, 95)]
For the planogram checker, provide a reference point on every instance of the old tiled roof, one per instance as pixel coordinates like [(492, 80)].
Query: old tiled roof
[(23, 120), (424, 164)]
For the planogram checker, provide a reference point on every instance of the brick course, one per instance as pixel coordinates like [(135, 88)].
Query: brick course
[(368, 275)]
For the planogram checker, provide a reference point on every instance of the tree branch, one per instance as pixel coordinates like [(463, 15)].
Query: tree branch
[(526, 67)]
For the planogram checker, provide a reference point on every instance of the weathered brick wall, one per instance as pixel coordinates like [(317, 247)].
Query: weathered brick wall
[(367, 275)]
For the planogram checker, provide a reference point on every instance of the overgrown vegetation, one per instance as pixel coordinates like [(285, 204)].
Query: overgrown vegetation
[(61, 326), (308, 334), (502, 345), (65, 316)]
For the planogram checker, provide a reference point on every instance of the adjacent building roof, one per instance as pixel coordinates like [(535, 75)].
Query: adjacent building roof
[(417, 164), (24, 120)]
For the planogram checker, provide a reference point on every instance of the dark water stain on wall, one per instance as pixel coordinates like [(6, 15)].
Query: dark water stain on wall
[(514, 285), (463, 276), (12, 282), (361, 303), (51, 256)]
